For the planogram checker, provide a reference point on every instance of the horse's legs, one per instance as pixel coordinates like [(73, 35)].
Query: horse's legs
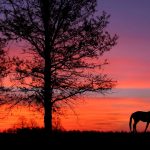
[(134, 126), (146, 126)]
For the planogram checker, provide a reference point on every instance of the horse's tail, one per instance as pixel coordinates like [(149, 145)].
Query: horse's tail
[(130, 123)]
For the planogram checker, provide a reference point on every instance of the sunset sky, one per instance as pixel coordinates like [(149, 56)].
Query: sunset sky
[(129, 65), (129, 60)]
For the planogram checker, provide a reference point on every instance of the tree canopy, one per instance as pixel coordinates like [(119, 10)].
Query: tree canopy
[(65, 41)]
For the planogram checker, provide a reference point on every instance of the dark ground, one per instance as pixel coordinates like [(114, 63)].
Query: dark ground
[(37, 139)]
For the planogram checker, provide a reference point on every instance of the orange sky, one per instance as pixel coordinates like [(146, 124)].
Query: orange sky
[(95, 113), (130, 72), (105, 114)]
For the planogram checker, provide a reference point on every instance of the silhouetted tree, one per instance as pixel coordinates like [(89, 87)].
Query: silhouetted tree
[(2, 61), (65, 40), (3, 65)]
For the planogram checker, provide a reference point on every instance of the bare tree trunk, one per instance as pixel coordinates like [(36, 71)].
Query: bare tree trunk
[(47, 91), (47, 69), (47, 115)]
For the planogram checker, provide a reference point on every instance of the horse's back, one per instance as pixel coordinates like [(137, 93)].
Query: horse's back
[(141, 115), (137, 113)]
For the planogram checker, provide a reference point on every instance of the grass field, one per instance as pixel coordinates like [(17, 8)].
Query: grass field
[(36, 138)]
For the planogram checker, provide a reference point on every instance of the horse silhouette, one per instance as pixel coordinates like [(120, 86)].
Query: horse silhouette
[(139, 116)]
